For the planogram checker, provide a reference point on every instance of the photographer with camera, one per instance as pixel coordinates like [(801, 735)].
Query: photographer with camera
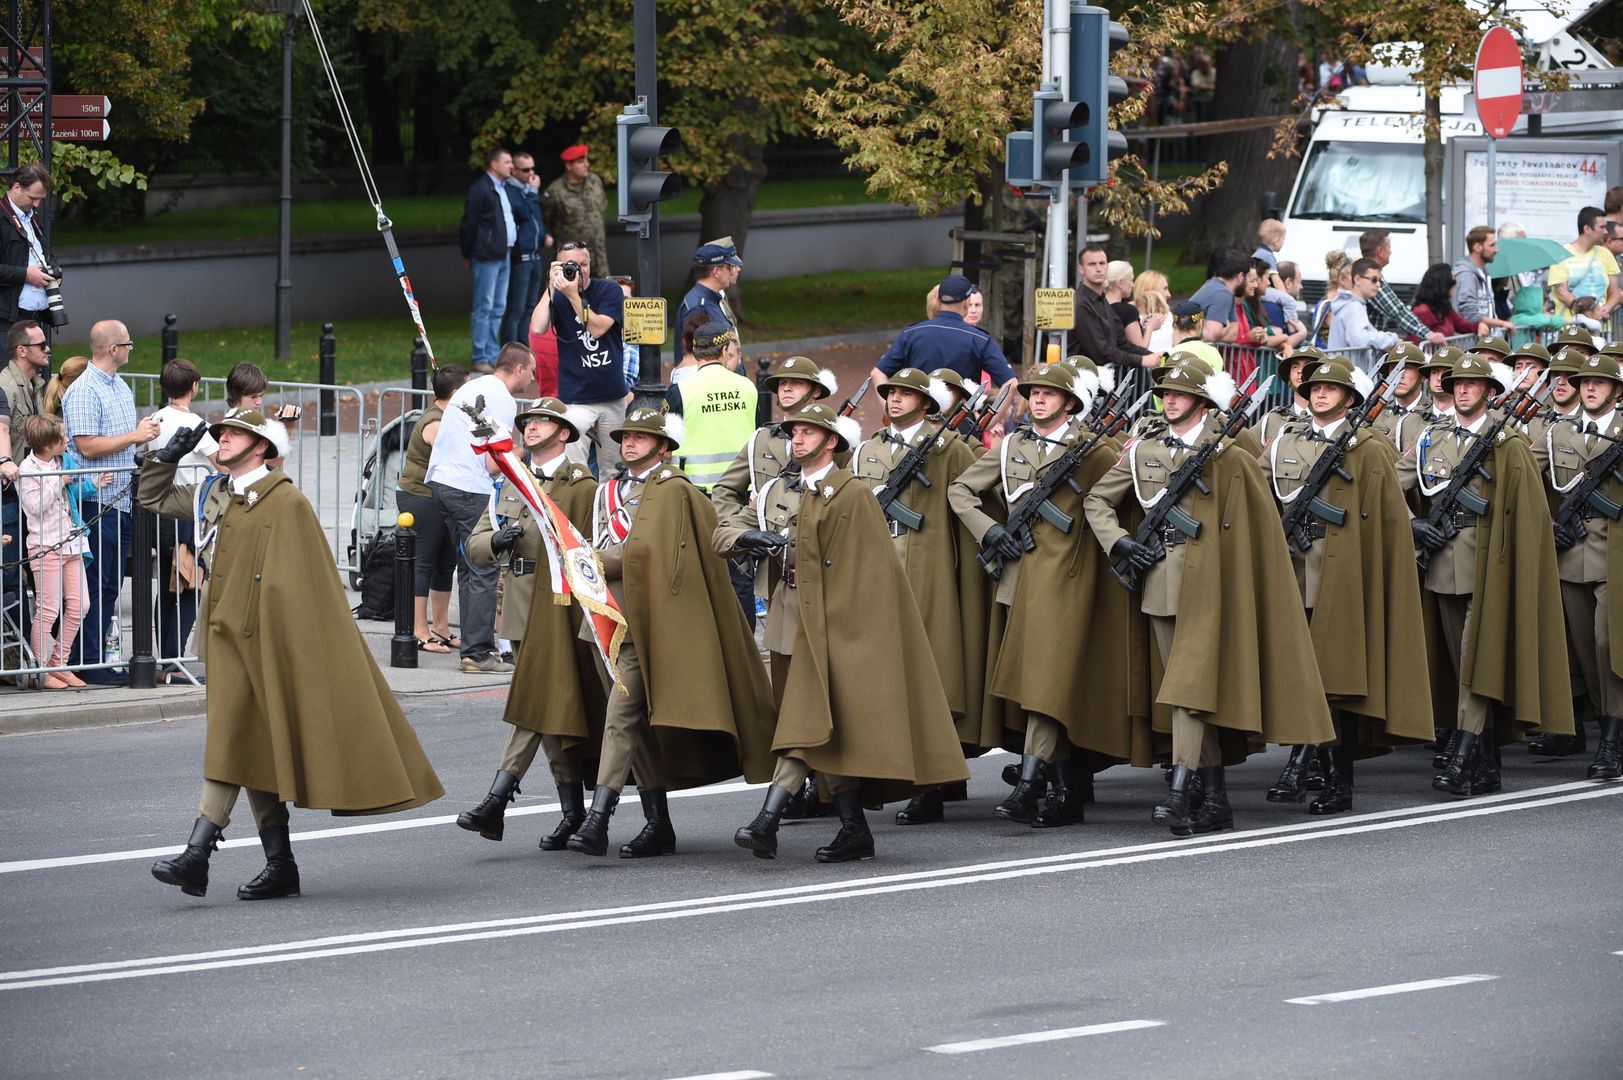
[(588, 314), (25, 273)]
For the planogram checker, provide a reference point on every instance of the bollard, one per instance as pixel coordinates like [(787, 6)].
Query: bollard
[(171, 339), (403, 646), (648, 396), (143, 666), (763, 391), (329, 376), (419, 364)]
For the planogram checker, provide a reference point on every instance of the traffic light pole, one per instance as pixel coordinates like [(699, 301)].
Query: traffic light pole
[(1056, 72), (643, 39)]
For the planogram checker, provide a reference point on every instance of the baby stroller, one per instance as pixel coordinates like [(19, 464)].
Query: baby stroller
[(373, 518)]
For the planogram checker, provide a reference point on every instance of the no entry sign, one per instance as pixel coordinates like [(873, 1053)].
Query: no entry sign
[(1498, 82)]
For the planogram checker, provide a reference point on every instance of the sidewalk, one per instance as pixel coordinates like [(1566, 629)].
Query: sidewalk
[(23, 711)]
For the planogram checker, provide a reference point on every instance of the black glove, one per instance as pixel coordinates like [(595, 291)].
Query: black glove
[(1565, 538), (182, 443), (762, 541), (1426, 535), (505, 537), (1002, 542), (1140, 556)]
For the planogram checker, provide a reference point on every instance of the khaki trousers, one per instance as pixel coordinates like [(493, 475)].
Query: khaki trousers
[(628, 738), (1585, 608), (790, 774), (218, 799), (1194, 742), (1454, 612), (520, 750), (1046, 738)]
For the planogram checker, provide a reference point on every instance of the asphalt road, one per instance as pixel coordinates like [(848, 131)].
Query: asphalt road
[(966, 949)]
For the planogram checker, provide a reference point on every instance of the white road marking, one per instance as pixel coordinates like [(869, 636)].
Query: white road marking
[(523, 926), (1001, 1041), (1383, 991), (742, 1074)]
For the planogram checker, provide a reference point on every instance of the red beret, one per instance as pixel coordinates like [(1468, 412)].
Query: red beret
[(574, 153)]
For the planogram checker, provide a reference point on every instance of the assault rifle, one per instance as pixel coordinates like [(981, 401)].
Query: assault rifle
[(1038, 502), (911, 468), (1309, 504), (1165, 512), (1584, 499), (1518, 406)]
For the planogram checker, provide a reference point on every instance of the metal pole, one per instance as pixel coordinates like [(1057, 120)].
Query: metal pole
[(1056, 64), (47, 68), (403, 646), (328, 377), (284, 242), (1493, 179), (1155, 174), (143, 665), (644, 41)]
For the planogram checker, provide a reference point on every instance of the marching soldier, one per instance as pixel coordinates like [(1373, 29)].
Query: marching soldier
[(573, 206), (690, 686), (1363, 606), (1440, 403), (938, 555), (326, 735), (558, 695), (1587, 562), (1269, 425), (1575, 337), (1492, 611), (1402, 420), (1495, 350), (962, 390), (1234, 643), (860, 700), (1059, 602)]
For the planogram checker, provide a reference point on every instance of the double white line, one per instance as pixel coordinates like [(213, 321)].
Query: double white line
[(947, 877)]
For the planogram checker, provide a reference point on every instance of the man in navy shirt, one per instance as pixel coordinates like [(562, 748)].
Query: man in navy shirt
[(947, 341), (716, 268), (589, 315)]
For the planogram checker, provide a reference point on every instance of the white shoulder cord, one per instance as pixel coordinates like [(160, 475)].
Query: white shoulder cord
[(1549, 449)]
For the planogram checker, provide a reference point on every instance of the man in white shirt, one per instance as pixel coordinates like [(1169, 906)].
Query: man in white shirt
[(463, 483), (22, 268)]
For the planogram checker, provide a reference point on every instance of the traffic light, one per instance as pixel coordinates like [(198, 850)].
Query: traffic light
[(1052, 120), (1093, 38), (642, 183)]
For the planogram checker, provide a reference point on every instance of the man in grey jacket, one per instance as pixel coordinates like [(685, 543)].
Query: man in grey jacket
[(1349, 315), (1473, 289)]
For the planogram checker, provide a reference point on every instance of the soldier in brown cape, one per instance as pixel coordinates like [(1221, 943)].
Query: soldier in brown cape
[(692, 689), (1270, 423), (1587, 563), (326, 735), (861, 701), (1439, 402), (939, 556), (1402, 419), (1059, 602), (1358, 584), (962, 390), (1233, 638), (1495, 611), (558, 694)]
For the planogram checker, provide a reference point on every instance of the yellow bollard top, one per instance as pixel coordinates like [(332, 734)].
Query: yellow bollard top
[(406, 519)]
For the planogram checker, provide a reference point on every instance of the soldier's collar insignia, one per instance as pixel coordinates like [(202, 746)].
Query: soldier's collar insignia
[(253, 497), (828, 491), (665, 474)]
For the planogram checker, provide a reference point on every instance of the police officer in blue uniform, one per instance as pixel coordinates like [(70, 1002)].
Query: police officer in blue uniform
[(716, 267), (947, 341)]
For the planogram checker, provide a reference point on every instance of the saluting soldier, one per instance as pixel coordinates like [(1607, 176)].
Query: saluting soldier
[(1587, 563), (860, 699), (938, 555), (1403, 419), (1494, 612), (297, 708), (1060, 603), (1363, 605), (558, 695), (1270, 423), (573, 206), (690, 686), (1234, 642)]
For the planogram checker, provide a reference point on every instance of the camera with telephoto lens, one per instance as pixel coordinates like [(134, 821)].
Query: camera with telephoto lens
[(56, 312), (571, 271)]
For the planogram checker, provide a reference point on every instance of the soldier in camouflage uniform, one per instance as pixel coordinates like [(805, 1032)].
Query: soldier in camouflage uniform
[(573, 207)]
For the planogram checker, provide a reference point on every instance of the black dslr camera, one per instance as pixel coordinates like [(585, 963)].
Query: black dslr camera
[(570, 270), (56, 312)]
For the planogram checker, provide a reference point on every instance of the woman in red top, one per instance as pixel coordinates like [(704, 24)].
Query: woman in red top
[(1433, 304)]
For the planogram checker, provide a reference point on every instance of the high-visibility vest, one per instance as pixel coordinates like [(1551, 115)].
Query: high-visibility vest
[(718, 412)]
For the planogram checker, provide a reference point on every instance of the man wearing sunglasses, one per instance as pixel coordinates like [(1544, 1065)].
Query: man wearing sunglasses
[(524, 279), (1349, 312)]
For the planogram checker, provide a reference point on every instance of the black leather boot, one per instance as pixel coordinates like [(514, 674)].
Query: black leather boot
[(1291, 785), (1064, 803), (1022, 803), (1314, 778), (853, 842), (657, 836), (760, 837), (1450, 744), (1011, 773), (592, 838), (1214, 814), (922, 808), (488, 817), (281, 874), (1547, 745), (806, 803), (1174, 810), (1337, 797), (190, 869), (1455, 778), (572, 801), (1608, 763), (1485, 776)]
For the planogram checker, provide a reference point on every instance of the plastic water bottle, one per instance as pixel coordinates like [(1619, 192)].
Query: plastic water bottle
[(110, 649)]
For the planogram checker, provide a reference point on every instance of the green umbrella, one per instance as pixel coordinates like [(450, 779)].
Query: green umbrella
[(1517, 255)]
